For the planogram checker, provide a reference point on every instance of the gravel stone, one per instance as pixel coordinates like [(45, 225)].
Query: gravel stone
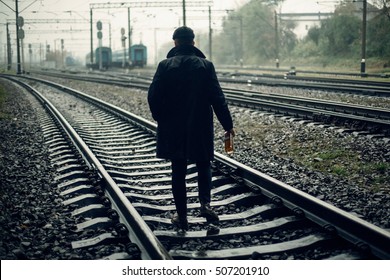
[(35, 225), (30, 219), (289, 149)]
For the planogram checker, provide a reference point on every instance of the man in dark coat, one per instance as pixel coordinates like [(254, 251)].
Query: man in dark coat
[(182, 97)]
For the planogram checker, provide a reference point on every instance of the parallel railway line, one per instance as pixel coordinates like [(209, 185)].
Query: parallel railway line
[(348, 86), (374, 120), (260, 217)]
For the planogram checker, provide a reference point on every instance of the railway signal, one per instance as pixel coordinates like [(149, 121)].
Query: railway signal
[(99, 27)]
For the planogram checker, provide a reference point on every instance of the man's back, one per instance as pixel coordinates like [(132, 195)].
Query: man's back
[(183, 92), (187, 82)]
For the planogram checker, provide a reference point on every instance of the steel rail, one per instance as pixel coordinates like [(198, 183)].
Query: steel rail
[(382, 91), (103, 80), (285, 70), (377, 113), (305, 112)]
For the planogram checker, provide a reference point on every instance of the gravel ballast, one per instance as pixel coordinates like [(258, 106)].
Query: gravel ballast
[(347, 169), (34, 223)]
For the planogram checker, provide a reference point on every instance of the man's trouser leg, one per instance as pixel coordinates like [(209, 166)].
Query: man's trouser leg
[(204, 185), (204, 181), (179, 170)]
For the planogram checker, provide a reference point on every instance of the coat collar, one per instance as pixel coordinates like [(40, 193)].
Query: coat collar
[(185, 50)]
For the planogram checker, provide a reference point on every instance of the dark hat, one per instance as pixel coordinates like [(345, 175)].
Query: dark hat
[(183, 32)]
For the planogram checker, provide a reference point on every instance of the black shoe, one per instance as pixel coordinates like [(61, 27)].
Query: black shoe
[(210, 215), (180, 223)]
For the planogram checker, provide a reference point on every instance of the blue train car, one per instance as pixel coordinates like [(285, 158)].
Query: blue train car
[(119, 57), (138, 52), (104, 55), (70, 61), (138, 55)]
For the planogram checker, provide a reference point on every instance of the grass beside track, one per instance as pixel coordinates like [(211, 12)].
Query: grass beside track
[(322, 153), (346, 162)]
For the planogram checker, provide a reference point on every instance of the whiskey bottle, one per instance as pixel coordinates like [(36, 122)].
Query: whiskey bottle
[(228, 143)]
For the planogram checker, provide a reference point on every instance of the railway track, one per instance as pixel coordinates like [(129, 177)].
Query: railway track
[(313, 76), (348, 86), (356, 117), (380, 89), (121, 194), (328, 112)]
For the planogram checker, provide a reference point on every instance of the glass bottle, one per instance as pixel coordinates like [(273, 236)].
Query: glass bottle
[(228, 143)]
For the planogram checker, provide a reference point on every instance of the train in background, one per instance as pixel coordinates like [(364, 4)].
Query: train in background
[(114, 59), (70, 62), (138, 55), (101, 55)]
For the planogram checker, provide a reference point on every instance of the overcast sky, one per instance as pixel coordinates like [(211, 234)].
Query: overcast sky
[(151, 26)]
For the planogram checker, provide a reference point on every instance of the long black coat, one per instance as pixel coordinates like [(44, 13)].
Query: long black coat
[(182, 97)]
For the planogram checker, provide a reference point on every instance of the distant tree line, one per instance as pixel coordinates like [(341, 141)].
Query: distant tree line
[(340, 35), (249, 34), (253, 35)]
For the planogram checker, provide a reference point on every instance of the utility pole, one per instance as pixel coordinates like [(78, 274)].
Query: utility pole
[(210, 36), (62, 53), (276, 41), (123, 39), (9, 53), (239, 53), (19, 68), (129, 34), (184, 12), (364, 30), (91, 28), (241, 42)]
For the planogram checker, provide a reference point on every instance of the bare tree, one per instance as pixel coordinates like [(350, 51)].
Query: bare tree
[(384, 5)]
